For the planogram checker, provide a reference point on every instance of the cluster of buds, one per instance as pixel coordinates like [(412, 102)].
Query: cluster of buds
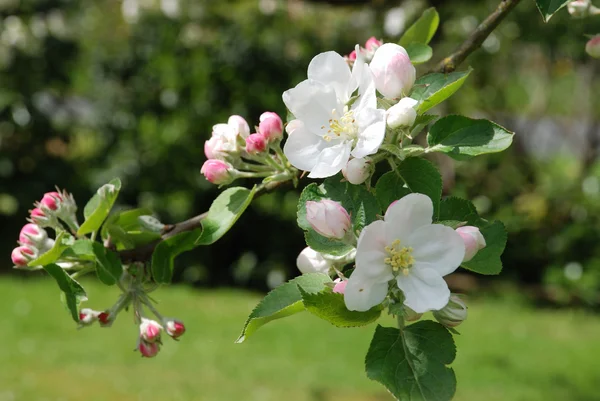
[(233, 152), (367, 52)]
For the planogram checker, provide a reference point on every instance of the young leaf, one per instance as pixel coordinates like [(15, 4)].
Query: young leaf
[(462, 137), (326, 245), (549, 7), (127, 219), (73, 291), (423, 177), (390, 187), (98, 208), (423, 29), (432, 89), (61, 243), (131, 228), (283, 301), (330, 306), (108, 264), (223, 213), (419, 53), (411, 363), (166, 251), (82, 250)]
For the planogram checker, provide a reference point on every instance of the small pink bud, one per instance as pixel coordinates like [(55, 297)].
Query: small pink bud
[(148, 350), (51, 200), (239, 125), (393, 72), (175, 328), (256, 143), (473, 240), (340, 286), (217, 171), (32, 234), (373, 43), (22, 255), (104, 318), (328, 218), (87, 316), (592, 47), (270, 126), (357, 170), (352, 55), (150, 330)]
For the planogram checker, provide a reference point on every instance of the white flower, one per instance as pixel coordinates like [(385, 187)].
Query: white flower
[(407, 248), (224, 140), (402, 114), (311, 261), (327, 130)]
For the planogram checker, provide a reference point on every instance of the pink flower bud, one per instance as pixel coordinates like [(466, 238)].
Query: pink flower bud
[(352, 55), (592, 47), (256, 143), (217, 171), (393, 72), (473, 240), (22, 255), (402, 114), (174, 328), (373, 43), (328, 218), (87, 316), (311, 261), (357, 170), (148, 350), (51, 200), (239, 125), (150, 330), (104, 318), (32, 234), (271, 126), (340, 286)]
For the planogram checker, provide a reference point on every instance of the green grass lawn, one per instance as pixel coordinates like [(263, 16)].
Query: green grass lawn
[(506, 352)]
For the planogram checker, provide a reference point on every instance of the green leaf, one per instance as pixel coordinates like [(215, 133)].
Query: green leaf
[(127, 219), (283, 301), (390, 187), (411, 363), (132, 228), (330, 306), (487, 260), (61, 243), (462, 137), (421, 176), (326, 245), (223, 213), (108, 264), (73, 291), (98, 208), (423, 29), (163, 258), (384, 103), (432, 89), (419, 53), (549, 7), (421, 122), (459, 210), (82, 250)]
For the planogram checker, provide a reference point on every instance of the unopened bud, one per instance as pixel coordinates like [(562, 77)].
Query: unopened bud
[(223, 142), (34, 235), (311, 261), (473, 240), (87, 316), (105, 318), (592, 47), (22, 255), (340, 286), (150, 330), (352, 56), (453, 314), (217, 171), (410, 315), (174, 328), (270, 126), (240, 125), (51, 200), (402, 114), (328, 218), (357, 170), (579, 8), (148, 350), (393, 72), (373, 44), (255, 144)]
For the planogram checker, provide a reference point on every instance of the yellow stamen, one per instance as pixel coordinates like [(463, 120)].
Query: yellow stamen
[(400, 258)]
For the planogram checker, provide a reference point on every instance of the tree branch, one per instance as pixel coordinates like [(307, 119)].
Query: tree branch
[(477, 37)]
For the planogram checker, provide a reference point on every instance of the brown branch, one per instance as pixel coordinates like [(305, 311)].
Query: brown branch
[(477, 37)]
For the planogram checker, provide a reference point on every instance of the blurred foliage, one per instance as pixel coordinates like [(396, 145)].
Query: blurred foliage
[(94, 90)]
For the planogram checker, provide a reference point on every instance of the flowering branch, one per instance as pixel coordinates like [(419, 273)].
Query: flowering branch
[(477, 37)]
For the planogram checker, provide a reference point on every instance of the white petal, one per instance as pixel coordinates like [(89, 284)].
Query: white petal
[(330, 69), (424, 290), (366, 89), (370, 253), (406, 215), (437, 247), (371, 124), (312, 103), (303, 148), (331, 160), (362, 294)]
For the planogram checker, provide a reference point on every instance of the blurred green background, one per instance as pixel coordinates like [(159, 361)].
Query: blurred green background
[(94, 90)]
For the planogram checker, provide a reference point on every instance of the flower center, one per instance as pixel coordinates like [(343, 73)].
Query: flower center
[(343, 127), (400, 257)]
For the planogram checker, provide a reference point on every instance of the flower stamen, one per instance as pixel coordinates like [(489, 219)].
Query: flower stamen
[(400, 258), (343, 127)]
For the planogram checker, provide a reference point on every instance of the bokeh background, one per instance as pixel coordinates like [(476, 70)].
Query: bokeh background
[(90, 91)]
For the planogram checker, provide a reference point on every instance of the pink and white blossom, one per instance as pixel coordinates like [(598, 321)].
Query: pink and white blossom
[(394, 73), (255, 144), (23, 254), (357, 170), (33, 235), (270, 126), (340, 286), (328, 218), (148, 350), (174, 328), (217, 171), (150, 330), (473, 240)]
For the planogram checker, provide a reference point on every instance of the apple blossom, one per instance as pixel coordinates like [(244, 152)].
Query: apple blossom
[(217, 171), (174, 328), (51, 200), (328, 218), (357, 170), (32, 234), (402, 114), (311, 261), (473, 240), (453, 314), (592, 47), (87, 316), (23, 254), (150, 330), (579, 8), (330, 130), (270, 126), (148, 350), (340, 286), (255, 144), (239, 125), (373, 43), (407, 248), (394, 73)]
